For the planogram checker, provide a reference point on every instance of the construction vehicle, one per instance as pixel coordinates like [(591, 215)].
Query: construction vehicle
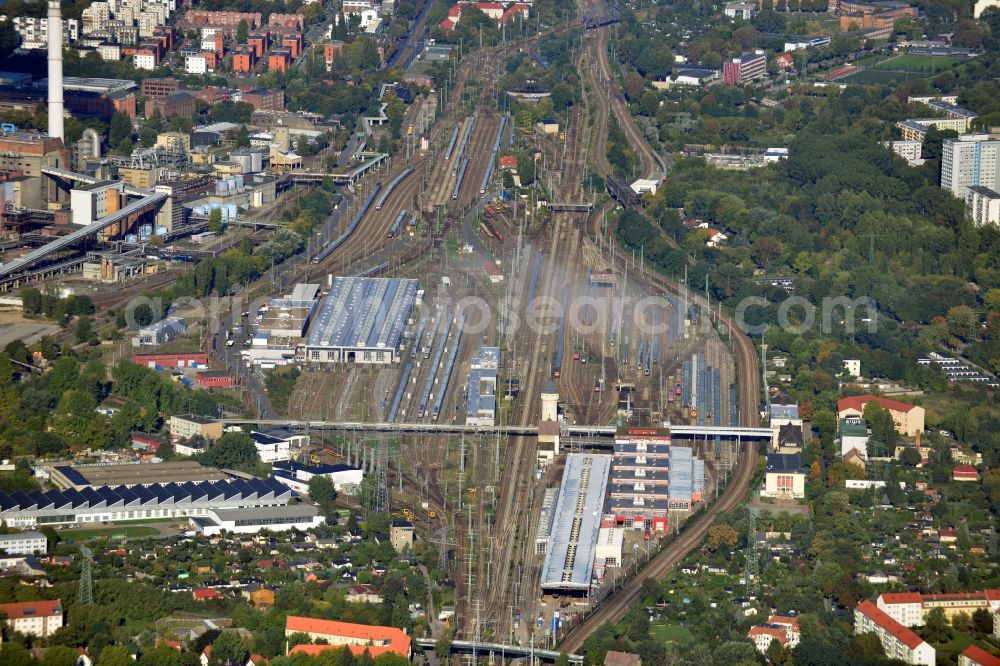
[(314, 458), (432, 514)]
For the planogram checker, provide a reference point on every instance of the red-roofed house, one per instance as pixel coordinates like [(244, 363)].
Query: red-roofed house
[(948, 535), (508, 162), (357, 637), (34, 618), (964, 473), (784, 61), (897, 641), (906, 418), (763, 635), (492, 271), (205, 594), (257, 660), (494, 10), (781, 628), (977, 656)]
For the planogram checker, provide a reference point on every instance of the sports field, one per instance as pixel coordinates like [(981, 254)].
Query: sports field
[(107, 533), (904, 67)]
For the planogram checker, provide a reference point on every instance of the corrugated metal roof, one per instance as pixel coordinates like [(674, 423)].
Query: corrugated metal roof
[(569, 558)]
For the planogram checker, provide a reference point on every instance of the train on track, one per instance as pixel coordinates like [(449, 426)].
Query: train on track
[(351, 228), (390, 188)]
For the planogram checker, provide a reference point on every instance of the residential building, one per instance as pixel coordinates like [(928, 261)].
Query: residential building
[(784, 477), (964, 473), (145, 60), (187, 426), (357, 637), (230, 20), (244, 60), (740, 10), (982, 205), (744, 69), (969, 160), (34, 618), (915, 129), (34, 32), (363, 594), (781, 628), (853, 436), (907, 419), (278, 60), (898, 642), (911, 608), (24, 543), (908, 150), (853, 365), (196, 64), (977, 656), (401, 535)]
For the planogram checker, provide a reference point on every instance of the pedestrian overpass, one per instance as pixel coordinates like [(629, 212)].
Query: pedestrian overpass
[(499, 650)]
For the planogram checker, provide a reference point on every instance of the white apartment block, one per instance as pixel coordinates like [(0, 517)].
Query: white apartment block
[(24, 543), (34, 618), (897, 641), (34, 32), (908, 150), (982, 205), (145, 61), (969, 160), (95, 16), (141, 15), (195, 64), (110, 52)]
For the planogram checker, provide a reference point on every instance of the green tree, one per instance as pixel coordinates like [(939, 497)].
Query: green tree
[(242, 137), (31, 300), (936, 628), (14, 654), (910, 457), (234, 450), (59, 655), (160, 656), (215, 220), (9, 39), (115, 655), (84, 329), (242, 32), (228, 650), (121, 130)]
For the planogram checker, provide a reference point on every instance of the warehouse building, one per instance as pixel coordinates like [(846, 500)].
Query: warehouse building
[(481, 402), (281, 518), (361, 320), (686, 479), (159, 332), (569, 558), (78, 477), (159, 500)]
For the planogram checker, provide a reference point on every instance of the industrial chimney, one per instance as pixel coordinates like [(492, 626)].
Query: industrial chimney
[(55, 31)]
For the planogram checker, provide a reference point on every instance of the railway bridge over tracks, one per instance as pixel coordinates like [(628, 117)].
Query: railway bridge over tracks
[(500, 650)]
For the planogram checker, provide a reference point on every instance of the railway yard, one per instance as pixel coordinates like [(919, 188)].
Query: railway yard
[(570, 311)]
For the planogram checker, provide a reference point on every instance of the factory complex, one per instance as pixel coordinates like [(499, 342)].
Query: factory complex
[(358, 320)]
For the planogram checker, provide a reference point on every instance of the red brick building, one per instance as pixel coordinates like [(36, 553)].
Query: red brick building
[(214, 379), (178, 104), (286, 22), (262, 99), (293, 43), (203, 18), (260, 41), (278, 60), (161, 87), (244, 59)]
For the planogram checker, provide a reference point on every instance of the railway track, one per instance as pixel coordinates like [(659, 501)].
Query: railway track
[(618, 603)]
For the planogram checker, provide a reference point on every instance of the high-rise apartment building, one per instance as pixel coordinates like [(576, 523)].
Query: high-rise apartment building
[(967, 161)]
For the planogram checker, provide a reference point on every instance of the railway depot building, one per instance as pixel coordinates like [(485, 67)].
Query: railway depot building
[(576, 521), (361, 320), (156, 500)]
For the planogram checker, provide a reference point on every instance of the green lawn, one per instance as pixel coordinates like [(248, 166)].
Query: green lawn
[(881, 76), (919, 62), (671, 633), (947, 653), (109, 533)]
